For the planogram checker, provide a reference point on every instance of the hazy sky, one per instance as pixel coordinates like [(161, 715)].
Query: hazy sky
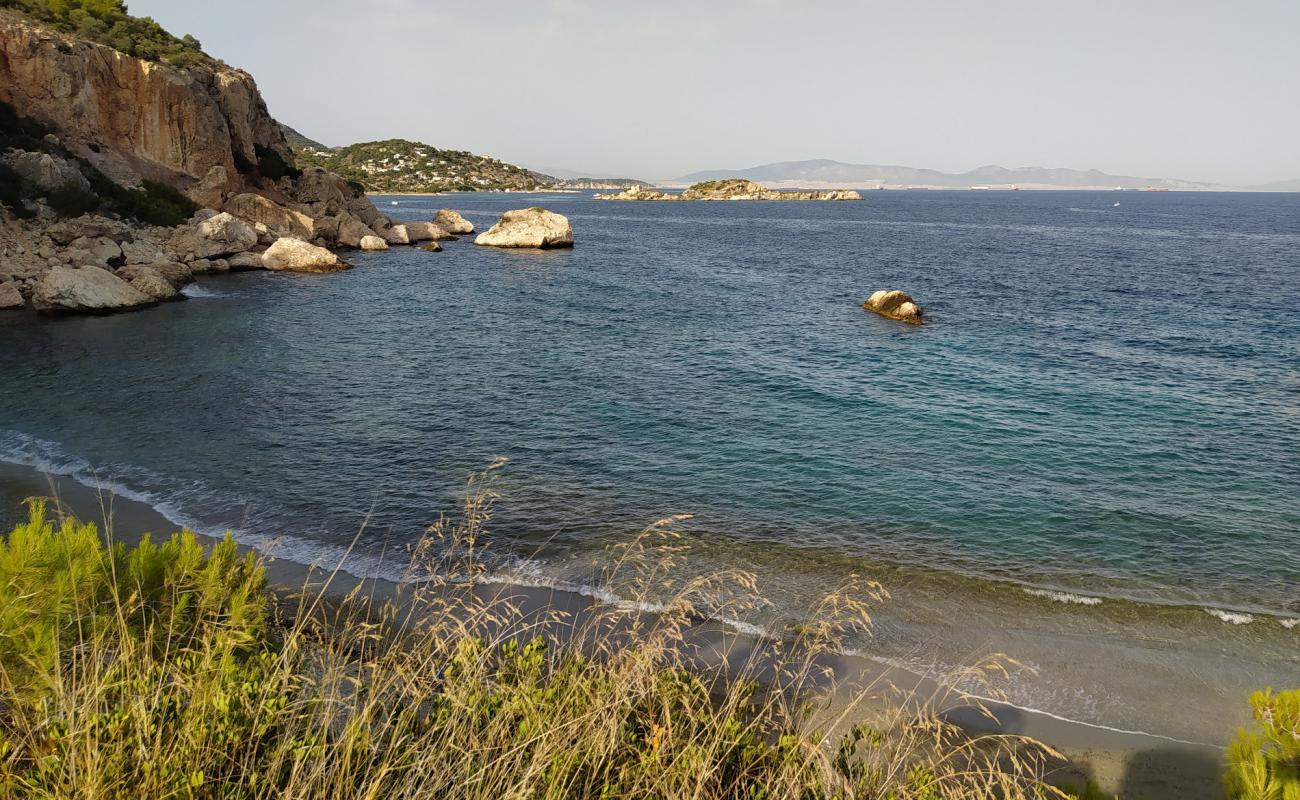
[(1197, 89)]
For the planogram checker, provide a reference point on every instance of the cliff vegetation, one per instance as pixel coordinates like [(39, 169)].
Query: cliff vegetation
[(400, 165), (107, 22)]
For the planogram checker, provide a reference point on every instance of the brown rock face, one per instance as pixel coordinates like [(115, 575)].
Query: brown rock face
[(142, 118)]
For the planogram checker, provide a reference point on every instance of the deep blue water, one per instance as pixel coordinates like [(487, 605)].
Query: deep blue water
[(1104, 399)]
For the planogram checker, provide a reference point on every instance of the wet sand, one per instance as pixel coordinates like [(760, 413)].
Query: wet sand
[(1128, 764)]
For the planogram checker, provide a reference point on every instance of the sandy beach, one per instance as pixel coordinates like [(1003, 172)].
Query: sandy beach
[(1130, 765)]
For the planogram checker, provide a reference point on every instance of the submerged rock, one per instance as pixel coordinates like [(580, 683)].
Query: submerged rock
[(452, 222), (86, 290), (529, 227), (295, 255), (894, 305), (431, 247)]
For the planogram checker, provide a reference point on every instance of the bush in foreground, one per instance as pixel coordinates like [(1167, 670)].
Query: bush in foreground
[(167, 671), (1265, 764)]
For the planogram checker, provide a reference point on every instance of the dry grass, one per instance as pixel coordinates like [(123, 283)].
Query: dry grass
[(454, 689)]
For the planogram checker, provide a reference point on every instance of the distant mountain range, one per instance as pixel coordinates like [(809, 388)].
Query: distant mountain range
[(823, 172)]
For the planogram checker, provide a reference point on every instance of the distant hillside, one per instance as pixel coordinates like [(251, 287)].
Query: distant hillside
[(299, 142), (400, 165), (1279, 186), (868, 175)]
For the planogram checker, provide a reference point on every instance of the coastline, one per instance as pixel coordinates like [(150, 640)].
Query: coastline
[(1128, 762)]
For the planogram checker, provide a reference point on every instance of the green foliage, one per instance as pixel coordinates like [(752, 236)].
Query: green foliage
[(399, 165), (108, 23), (72, 200), (1264, 764), (13, 192)]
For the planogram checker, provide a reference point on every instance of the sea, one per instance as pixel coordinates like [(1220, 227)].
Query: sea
[(1087, 460)]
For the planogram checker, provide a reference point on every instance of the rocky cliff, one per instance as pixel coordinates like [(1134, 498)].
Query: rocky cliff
[(133, 118)]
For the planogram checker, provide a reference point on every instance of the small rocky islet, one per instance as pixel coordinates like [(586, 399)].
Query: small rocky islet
[(730, 189)]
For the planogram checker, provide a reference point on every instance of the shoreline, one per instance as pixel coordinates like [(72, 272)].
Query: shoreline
[(1155, 765)]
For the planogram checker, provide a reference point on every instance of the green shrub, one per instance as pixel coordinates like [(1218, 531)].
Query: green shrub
[(1264, 764), (108, 23), (72, 200), (13, 192), (158, 671)]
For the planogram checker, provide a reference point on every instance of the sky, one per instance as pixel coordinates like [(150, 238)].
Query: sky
[(1195, 89)]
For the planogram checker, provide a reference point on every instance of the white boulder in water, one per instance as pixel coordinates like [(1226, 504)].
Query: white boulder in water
[(529, 227), (894, 305)]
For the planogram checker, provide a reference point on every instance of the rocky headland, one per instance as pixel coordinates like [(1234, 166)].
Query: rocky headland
[(732, 189), (122, 178)]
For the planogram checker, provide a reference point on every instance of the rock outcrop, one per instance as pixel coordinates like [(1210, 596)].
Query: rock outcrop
[(452, 222), (280, 221), (150, 282), (395, 234), (639, 193), (427, 232), (86, 290), (295, 255), (373, 242), (45, 171), (11, 298), (894, 305), (131, 117), (529, 227), (223, 235)]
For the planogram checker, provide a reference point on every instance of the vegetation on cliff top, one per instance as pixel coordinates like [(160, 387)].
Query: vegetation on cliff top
[(400, 165), (168, 671), (107, 22)]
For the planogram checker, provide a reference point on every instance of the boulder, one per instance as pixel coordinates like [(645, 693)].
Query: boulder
[(100, 252), (295, 255), (529, 227), (426, 232), (373, 243), (10, 298), (177, 275), (206, 266), (210, 191), (352, 231), (245, 262), (894, 305), (142, 251), (45, 171), (431, 247), (223, 235), (395, 235), (149, 282), (88, 226), (452, 222), (86, 290), (281, 221)]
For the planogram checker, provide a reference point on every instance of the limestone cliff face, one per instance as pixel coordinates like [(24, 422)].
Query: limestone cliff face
[(134, 118)]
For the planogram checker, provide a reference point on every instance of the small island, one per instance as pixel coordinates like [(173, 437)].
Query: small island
[(731, 189)]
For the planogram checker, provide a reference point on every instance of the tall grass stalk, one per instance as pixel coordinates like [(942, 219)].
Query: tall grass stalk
[(171, 671)]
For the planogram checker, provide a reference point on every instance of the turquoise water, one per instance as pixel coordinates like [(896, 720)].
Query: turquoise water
[(1105, 400), (1103, 407)]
